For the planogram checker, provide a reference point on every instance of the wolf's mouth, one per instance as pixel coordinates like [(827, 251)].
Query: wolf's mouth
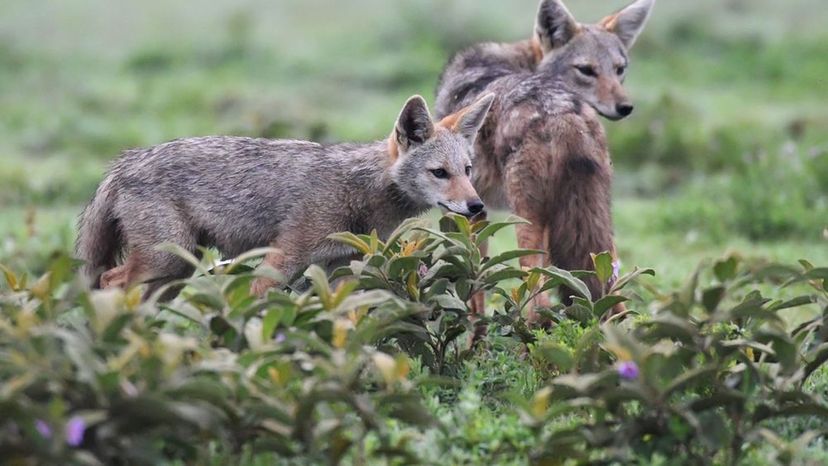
[(446, 208), (615, 117)]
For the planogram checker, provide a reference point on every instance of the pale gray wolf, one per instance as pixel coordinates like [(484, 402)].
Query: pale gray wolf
[(542, 152), (236, 194)]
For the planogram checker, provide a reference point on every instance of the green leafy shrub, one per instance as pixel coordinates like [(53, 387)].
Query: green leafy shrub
[(441, 270), (97, 378), (699, 382), (371, 366)]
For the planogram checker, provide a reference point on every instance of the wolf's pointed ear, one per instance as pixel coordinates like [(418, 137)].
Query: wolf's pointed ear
[(628, 23), (554, 26), (467, 122), (414, 125)]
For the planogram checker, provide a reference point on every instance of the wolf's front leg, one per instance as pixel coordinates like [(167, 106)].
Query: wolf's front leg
[(533, 236), (286, 263), (477, 306)]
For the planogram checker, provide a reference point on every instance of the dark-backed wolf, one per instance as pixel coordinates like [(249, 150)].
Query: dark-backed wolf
[(542, 153), (236, 194)]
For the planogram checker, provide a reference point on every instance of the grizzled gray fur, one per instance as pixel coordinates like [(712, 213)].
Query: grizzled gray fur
[(237, 193)]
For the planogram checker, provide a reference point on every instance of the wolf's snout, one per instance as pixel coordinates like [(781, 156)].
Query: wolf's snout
[(624, 109), (475, 206)]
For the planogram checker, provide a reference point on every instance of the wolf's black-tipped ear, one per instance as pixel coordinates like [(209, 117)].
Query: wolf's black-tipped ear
[(628, 23), (414, 125), (555, 25), (472, 117)]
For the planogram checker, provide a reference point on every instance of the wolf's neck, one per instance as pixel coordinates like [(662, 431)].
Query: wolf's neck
[(372, 177), (398, 201)]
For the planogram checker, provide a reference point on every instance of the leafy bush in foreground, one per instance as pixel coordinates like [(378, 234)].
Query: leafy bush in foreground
[(700, 381), (326, 376), (98, 378)]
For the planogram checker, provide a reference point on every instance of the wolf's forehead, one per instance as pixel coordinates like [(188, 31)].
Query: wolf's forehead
[(596, 42), (453, 149)]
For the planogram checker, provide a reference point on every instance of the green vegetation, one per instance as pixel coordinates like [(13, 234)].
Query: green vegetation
[(725, 157), (374, 369)]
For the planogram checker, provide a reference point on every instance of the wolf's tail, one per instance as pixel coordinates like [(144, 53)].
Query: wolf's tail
[(99, 239)]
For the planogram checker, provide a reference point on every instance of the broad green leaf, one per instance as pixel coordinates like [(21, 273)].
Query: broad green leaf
[(400, 266), (239, 261), (188, 256), (711, 297), (626, 279), (793, 302), (406, 226), (343, 291), (369, 299), (606, 303), (447, 301), (352, 240), (493, 228), (319, 280), (374, 242), (603, 266), (462, 223), (441, 236), (270, 322), (819, 273), (566, 278), (725, 269), (11, 278), (495, 277)]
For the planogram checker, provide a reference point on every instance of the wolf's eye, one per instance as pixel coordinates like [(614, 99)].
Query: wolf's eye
[(468, 170), (440, 173), (620, 70), (586, 70)]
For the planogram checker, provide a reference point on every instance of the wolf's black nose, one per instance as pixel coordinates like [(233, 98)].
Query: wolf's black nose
[(475, 206), (624, 109)]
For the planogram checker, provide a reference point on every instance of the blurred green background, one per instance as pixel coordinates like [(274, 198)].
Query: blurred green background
[(726, 152)]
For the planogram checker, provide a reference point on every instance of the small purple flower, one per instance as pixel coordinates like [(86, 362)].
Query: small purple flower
[(422, 270), (280, 337), (628, 370), (43, 428), (616, 270), (75, 429)]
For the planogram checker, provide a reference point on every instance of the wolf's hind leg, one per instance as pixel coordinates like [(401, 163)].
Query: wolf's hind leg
[(166, 269), (146, 263), (115, 277), (130, 273)]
